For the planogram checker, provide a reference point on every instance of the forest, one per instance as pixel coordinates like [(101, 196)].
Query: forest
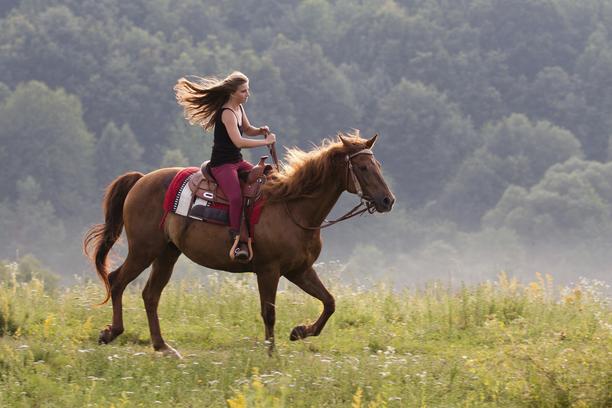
[(494, 116)]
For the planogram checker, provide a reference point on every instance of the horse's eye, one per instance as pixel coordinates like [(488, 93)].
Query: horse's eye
[(363, 168)]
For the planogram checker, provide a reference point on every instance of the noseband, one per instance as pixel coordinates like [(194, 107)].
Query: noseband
[(364, 200)]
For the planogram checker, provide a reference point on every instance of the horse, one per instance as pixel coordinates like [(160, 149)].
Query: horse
[(287, 238)]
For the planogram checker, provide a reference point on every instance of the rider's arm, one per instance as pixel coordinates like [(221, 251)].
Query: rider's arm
[(231, 124), (249, 130)]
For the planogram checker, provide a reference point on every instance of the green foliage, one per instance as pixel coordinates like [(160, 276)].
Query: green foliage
[(426, 139), (117, 151), (30, 224), (319, 80), (515, 152), (5, 92), (193, 143), (26, 269), (45, 127), (470, 98), (29, 268), (174, 158), (541, 143), (572, 203), (498, 343), (522, 29)]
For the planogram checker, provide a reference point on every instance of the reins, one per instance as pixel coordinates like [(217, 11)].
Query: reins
[(272, 149), (369, 207)]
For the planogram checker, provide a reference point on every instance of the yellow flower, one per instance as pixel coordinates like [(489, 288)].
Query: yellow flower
[(48, 326), (357, 398), (237, 402)]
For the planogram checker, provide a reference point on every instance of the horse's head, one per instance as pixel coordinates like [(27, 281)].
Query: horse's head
[(363, 173)]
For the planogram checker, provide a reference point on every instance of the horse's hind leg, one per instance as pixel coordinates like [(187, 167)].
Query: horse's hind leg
[(160, 275), (268, 284), (119, 279), (309, 282)]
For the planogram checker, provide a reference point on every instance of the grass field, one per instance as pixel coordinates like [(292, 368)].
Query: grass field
[(499, 344)]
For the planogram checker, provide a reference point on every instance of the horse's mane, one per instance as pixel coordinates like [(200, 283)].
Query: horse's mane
[(302, 173)]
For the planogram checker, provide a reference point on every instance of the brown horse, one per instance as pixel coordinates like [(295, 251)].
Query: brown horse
[(298, 197)]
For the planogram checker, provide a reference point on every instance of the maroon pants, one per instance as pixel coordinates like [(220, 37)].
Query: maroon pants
[(227, 177)]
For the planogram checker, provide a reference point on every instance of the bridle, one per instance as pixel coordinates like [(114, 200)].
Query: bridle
[(364, 200), (351, 173)]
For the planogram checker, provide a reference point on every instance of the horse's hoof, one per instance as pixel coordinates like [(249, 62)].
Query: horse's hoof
[(271, 347), (298, 333), (168, 351), (106, 336)]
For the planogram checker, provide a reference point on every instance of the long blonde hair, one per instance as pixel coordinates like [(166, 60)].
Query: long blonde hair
[(202, 98)]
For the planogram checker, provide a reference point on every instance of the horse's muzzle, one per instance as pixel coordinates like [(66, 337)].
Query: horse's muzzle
[(384, 203)]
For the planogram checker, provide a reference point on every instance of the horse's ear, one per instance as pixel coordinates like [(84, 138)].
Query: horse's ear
[(345, 141), (371, 142)]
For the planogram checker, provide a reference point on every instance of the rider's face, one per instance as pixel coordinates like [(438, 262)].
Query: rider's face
[(242, 93)]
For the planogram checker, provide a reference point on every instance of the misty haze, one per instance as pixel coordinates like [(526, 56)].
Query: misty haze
[(495, 123)]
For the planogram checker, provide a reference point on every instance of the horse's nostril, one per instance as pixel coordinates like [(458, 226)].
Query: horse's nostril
[(387, 201)]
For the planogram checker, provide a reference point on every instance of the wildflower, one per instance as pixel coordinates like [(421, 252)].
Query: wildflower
[(238, 402), (357, 398)]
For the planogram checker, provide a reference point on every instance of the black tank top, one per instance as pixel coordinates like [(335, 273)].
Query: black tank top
[(224, 150)]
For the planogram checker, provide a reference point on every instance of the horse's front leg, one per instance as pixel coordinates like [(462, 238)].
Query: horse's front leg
[(268, 283), (309, 282)]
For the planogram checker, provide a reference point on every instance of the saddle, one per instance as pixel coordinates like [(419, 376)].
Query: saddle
[(207, 193), (204, 185)]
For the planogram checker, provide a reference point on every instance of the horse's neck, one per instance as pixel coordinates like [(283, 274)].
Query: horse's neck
[(313, 210)]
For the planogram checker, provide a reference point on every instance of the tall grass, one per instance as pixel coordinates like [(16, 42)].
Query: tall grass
[(495, 344)]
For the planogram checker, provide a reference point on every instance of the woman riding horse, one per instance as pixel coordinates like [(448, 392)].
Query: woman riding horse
[(213, 103), (288, 236)]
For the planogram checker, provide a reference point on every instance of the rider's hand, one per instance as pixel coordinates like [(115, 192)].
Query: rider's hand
[(270, 138), (264, 130)]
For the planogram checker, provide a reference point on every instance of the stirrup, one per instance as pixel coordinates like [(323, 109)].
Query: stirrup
[(239, 251)]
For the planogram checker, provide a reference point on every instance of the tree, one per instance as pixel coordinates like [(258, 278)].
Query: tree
[(46, 127), (117, 151), (30, 223), (192, 142), (5, 92), (270, 102), (594, 67), (321, 95), (313, 20), (29, 267), (50, 44), (424, 140), (572, 203), (515, 151), (557, 97), (531, 33), (174, 158)]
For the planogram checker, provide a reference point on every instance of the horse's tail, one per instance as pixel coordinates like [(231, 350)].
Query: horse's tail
[(101, 237)]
